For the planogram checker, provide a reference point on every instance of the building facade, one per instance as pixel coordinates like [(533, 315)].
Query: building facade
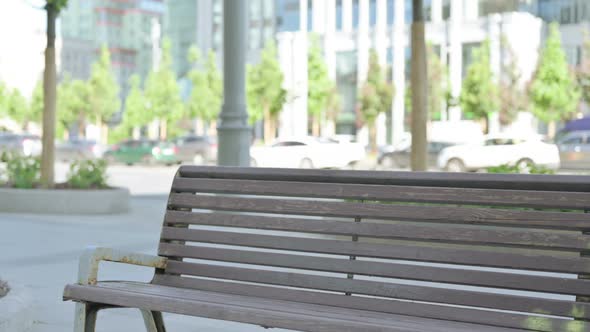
[(130, 29), (348, 29)]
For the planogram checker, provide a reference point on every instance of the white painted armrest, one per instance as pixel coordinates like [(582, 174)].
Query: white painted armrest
[(92, 256)]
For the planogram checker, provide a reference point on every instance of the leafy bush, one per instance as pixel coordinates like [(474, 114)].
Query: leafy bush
[(530, 169), (21, 171), (86, 174)]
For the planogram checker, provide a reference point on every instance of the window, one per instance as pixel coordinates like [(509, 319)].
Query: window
[(573, 141)]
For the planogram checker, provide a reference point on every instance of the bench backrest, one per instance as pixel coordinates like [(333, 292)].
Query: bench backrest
[(504, 250)]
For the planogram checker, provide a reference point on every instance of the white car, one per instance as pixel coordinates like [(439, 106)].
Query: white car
[(307, 152), (499, 150)]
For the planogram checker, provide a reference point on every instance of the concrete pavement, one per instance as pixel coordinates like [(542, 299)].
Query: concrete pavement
[(41, 253)]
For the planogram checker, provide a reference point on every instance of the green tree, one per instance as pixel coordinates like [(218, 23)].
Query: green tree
[(479, 91), (553, 91), (438, 84), (52, 8), (74, 104), (104, 92), (583, 70), (320, 87), (135, 114), (513, 97), (18, 108), (375, 97), (37, 101), (163, 94), (206, 92), (266, 95)]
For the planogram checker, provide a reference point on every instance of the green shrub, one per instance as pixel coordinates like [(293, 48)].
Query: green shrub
[(86, 174), (21, 171), (531, 169)]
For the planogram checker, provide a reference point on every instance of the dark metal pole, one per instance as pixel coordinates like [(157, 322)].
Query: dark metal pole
[(419, 88), (233, 130)]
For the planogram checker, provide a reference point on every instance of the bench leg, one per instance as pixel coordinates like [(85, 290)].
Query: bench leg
[(154, 322), (85, 320)]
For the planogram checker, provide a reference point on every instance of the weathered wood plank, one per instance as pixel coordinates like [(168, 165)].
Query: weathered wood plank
[(423, 232), (438, 214), (383, 289), (285, 314), (426, 310), (384, 269), (571, 183), (463, 196), (532, 260)]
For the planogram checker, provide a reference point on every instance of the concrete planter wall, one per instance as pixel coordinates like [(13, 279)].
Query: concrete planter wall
[(61, 201)]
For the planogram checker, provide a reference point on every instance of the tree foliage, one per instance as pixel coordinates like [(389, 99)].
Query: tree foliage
[(321, 92), (375, 96), (512, 95), (583, 70), (553, 92), (479, 92), (73, 105), (163, 94), (135, 113), (438, 84), (266, 95), (104, 90), (207, 91)]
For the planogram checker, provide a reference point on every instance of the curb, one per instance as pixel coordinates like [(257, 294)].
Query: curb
[(60, 201), (16, 310)]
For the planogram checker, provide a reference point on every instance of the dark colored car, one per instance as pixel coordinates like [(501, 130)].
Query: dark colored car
[(574, 149), (143, 151), (401, 158), (21, 144), (78, 149), (196, 149)]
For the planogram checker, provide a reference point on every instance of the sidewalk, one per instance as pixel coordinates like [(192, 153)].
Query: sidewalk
[(41, 253)]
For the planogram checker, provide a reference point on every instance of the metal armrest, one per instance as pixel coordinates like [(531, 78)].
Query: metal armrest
[(88, 266)]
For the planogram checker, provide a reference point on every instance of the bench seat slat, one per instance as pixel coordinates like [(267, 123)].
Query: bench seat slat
[(518, 198), (489, 257), (390, 290), (426, 310), (424, 232), (439, 214), (281, 314), (381, 269)]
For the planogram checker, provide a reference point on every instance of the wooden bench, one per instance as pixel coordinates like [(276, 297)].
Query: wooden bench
[(317, 250)]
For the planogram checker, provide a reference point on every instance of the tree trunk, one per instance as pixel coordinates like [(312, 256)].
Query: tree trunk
[(372, 127), (268, 135), (49, 102), (163, 129), (551, 129), (419, 89), (315, 126)]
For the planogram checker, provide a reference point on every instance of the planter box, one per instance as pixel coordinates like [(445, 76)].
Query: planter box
[(64, 201)]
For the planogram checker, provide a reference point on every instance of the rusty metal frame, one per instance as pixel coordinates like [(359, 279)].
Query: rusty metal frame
[(85, 313)]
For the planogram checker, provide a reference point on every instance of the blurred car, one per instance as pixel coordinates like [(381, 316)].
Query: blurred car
[(497, 150), (79, 149), (143, 151), (574, 149), (402, 158), (307, 152), (196, 149), (21, 144)]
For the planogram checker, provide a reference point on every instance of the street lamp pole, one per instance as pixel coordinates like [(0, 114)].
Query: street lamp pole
[(233, 131)]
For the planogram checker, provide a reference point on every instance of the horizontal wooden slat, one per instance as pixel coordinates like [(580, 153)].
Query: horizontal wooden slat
[(518, 198), (531, 260), (440, 214), (382, 289), (426, 310), (428, 232), (280, 314), (571, 183), (383, 269)]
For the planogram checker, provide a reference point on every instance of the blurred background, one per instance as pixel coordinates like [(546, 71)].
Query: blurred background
[(140, 83)]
